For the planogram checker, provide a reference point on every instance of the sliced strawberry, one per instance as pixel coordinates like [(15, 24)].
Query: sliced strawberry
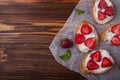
[(102, 4), (109, 11), (116, 40), (91, 65), (86, 29), (96, 56), (116, 29), (91, 43), (79, 38), (106, 62), (101, 15)]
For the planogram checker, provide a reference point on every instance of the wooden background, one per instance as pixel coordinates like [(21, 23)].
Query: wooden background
[(27, 28)]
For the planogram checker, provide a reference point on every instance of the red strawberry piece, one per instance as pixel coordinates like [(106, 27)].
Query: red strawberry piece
[(86, 29), (101, 15), (79, 38), (96, 56), (91, 65), (106, 62), (102, 4), (91, 43), (66, 43), (109, 11), (116, 29), (116, 40)]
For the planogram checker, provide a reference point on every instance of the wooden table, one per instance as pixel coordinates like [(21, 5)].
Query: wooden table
[(27, 27)]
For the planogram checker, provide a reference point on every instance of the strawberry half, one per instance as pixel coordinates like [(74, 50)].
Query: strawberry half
[(91, 65), (106, 62), (116, 29), (102, 4), (116, 40), (91, 43), (109, 11), (79, 38), (101, 15), (96, 56), (86, 29)]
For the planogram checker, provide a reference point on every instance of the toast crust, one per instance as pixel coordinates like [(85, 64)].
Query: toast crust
[(103, 34)]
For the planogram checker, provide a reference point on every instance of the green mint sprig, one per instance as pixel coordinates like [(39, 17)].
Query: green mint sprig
[(79, 11), (66, 56)]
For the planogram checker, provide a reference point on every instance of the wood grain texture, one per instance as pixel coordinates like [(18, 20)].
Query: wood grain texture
[(27, 28)]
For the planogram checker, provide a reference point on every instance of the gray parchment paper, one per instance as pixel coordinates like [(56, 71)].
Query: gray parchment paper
[(68, 32)]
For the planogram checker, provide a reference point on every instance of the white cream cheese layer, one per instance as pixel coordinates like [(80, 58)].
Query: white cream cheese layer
[(90, 35), (109, 36), (83, 47)]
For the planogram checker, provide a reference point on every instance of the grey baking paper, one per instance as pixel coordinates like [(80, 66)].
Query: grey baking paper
[(68, 32)]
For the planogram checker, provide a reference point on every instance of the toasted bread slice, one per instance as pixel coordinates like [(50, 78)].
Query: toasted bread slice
[(108, 34), (105, 15), (93, 35), (100, 68)]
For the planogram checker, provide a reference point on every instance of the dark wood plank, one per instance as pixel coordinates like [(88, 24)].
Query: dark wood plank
[(27, 27)]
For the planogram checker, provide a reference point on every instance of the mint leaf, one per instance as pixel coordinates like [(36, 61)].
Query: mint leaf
[(79, 11), (66, 56)]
